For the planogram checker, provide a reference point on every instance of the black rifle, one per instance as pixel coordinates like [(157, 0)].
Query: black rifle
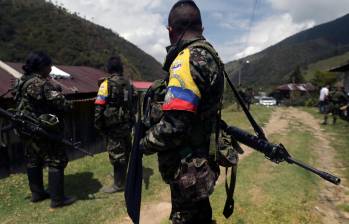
[(133, 189), (31, 127), (275, 153)]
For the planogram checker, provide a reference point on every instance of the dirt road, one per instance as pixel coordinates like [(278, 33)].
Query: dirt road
[(329, 196)]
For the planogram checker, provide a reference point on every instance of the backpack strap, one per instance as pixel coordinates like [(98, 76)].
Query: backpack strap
[(23, 86)]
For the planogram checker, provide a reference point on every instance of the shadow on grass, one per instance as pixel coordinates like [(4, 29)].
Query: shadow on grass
[(82, 185), (147, 173)]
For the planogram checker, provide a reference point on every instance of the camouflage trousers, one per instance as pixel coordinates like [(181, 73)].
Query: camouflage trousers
[(119, 148), (40, 153), (186, 211)]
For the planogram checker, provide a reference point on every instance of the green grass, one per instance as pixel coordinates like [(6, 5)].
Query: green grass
[(84, 178), (339, 134), (270, 193), (238, 118)]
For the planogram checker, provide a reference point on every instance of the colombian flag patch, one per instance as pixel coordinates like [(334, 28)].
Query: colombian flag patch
[(102, 94), (182, 92)]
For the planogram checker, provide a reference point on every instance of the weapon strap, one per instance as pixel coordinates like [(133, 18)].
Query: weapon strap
[(229, 189), (259, 131)]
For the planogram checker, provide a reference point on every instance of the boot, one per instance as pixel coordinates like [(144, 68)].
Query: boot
[(56, 186), (36, 184), (119, 179)]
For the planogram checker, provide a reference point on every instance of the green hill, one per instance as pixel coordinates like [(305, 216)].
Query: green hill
[(27, 25), (273, 65)]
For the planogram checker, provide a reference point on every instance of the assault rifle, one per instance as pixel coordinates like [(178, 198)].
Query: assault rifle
[(275, 153), (30, 127)]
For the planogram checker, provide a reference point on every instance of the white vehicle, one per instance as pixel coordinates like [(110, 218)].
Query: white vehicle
[(267, 101)]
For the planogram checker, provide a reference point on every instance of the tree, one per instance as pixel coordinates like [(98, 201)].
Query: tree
[(297, 76), (323, 78)]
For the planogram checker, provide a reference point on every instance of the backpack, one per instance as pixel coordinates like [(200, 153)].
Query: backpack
[(120, 101)]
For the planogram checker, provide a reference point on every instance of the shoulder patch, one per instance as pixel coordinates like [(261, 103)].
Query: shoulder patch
[(182, 92), (102, 93)]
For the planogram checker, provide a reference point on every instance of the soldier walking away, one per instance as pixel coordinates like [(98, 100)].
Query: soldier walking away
[(183, 136), (337, 99), (37, 98), (114, 118)]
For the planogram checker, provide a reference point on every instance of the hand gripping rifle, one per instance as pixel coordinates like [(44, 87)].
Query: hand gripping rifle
[(276, 153), (31, 127)]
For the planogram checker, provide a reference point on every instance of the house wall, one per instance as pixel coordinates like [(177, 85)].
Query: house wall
[(346, 81), (78, 125)]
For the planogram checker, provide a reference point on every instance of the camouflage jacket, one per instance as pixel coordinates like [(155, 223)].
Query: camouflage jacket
[(190, 107), (115, 106), (338, 98), (36, 95)]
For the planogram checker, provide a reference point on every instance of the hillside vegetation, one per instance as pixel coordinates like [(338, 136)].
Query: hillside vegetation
[(279, 61), (28, 25)]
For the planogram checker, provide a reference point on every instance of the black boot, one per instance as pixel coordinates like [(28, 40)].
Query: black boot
[(56, 186), (119, 179), (36, 184)]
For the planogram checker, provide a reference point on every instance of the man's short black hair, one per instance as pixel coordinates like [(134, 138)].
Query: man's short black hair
[(185, 15), (114, 65)]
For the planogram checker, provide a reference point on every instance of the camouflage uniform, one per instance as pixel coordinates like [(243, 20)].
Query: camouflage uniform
[(337, 99), (114, 118), (36, 96), (183, 135)]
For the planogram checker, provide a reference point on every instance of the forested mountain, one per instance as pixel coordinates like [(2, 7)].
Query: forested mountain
[(27, 25), (275, 64)]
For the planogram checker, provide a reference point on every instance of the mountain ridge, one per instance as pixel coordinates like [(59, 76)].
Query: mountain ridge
[(67, 38)]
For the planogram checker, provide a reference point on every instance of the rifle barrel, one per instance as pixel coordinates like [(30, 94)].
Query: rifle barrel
[(327, 176), (267, 148)]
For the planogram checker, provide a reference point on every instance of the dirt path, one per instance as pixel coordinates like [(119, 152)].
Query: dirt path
[(329, 196)]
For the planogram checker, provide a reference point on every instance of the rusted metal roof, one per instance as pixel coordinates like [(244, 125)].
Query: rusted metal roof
[(83, 79), (342, 68), (297, 87), (6, 81)]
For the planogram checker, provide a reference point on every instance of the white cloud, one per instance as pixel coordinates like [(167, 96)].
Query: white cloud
[(270, 31), (134, 20), (317, 10)]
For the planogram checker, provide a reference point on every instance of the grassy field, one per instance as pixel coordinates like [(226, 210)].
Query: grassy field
[(84, 178), (270, 193), (265, 193)]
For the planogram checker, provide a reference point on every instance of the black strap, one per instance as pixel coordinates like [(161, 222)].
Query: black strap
[(259, 131), (229, 189)]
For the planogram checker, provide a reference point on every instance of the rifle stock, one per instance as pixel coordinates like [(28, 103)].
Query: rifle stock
[(276, 153)]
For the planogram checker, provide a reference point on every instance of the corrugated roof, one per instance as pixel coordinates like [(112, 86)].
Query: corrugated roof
[(297, 87), (83, 79), (6, 81), (342, 68)]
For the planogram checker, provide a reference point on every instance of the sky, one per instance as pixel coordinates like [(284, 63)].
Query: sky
[(236, 28)]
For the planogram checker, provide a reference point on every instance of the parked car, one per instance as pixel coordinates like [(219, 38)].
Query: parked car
[(267, 101)]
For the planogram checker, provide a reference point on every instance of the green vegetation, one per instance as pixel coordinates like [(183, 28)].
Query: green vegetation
[(269, 193), (325, 65), (300, 50), (265, 192), (84, 177), (68, 39)]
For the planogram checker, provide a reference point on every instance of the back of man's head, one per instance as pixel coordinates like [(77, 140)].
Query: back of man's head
[(185, 16), (114, 65)]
